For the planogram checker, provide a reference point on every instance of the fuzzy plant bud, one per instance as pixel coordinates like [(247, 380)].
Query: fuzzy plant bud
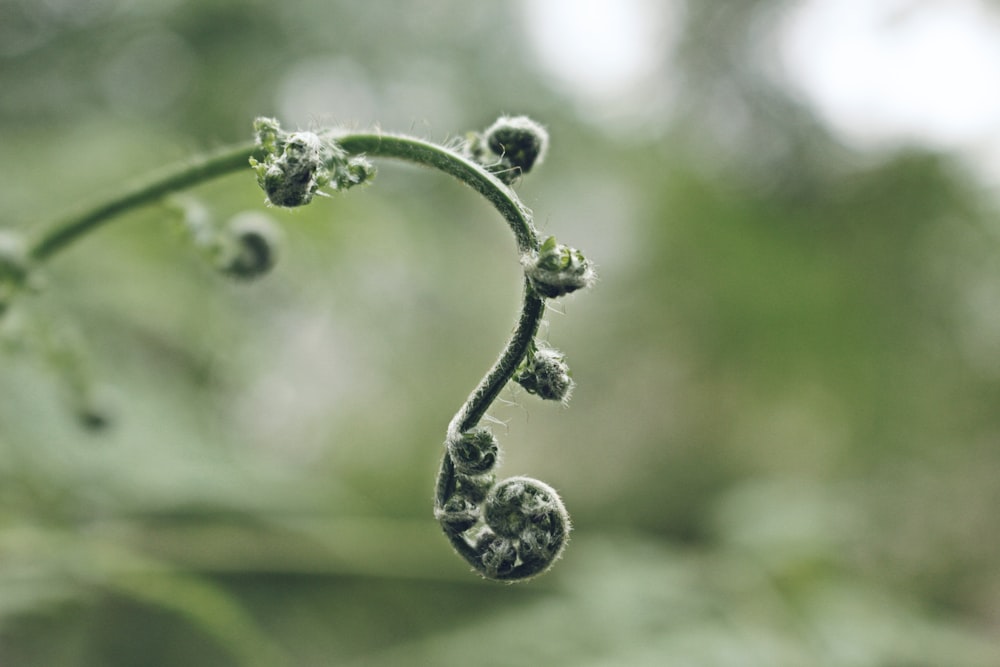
[(556, 269), (293, 174), (474, 452), (248, 246), (297, 164), (519, 140), (509, 147), (350, 171), (544, 372)]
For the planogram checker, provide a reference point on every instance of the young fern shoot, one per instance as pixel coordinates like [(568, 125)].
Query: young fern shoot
[(507, 530)]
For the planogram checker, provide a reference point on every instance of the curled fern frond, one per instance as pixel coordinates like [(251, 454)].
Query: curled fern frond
[(526, 529), (507, 531)]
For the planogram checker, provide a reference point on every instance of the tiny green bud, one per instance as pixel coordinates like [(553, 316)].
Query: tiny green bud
[(355, 170), (557, 269), (249, 246), (267, 133), (544, 372)]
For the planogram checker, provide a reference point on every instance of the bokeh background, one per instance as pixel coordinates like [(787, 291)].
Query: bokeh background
[(784, 445)]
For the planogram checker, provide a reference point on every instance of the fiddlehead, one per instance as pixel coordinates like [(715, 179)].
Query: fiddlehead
[(508, 530)]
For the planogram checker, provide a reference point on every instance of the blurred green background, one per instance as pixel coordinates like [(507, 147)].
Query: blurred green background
[(784, 445)]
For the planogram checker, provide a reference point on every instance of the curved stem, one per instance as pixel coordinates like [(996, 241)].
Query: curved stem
[(72, 227), (180, 177), (519, 220), (438, 157)]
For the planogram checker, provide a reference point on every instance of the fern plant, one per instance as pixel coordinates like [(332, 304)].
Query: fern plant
[(506, 530)]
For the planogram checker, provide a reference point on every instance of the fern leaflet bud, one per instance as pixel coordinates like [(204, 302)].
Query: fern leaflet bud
[(544, 372), (474, 452), (557, 269)]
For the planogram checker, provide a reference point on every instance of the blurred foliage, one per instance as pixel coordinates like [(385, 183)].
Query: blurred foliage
[(783, 446)]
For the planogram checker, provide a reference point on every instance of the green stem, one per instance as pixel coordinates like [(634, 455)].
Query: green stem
[(438, 157), (66, 231)]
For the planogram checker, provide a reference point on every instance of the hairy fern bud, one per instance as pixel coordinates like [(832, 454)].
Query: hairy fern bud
[(556, 269), (520, 141), (350, 171), (298, 164), (474, 452), (544, 372), (292, 174), (249, 246), (509, 147)]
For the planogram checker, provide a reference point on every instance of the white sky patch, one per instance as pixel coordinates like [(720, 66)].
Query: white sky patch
[(891, 71), (606, 53)]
